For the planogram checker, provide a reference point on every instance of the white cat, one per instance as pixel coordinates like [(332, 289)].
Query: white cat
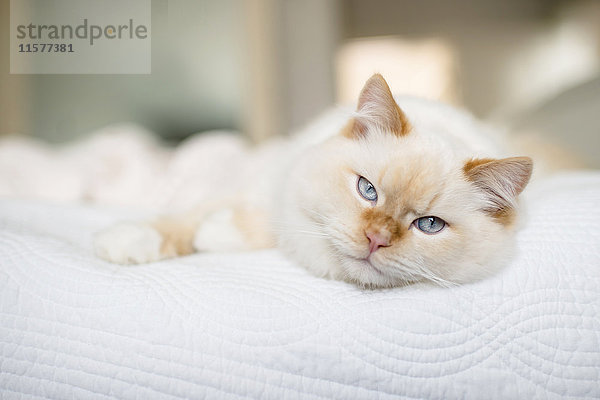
[(392, 193)]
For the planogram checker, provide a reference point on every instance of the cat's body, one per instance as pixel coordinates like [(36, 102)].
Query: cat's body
[(357, 196)]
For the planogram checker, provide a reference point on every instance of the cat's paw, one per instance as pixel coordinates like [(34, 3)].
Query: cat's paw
[(129, 243), (219, 233)]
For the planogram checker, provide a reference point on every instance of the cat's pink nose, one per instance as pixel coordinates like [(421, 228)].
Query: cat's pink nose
[(377, 240)]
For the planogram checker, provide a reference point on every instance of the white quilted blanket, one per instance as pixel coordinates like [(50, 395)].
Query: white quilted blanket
[(254, 326)]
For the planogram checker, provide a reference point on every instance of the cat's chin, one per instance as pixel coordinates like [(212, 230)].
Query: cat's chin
[(365, 273)]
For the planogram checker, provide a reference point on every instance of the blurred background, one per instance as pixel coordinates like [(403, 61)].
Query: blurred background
[(266, 67)]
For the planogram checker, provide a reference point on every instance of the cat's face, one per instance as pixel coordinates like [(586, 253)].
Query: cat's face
[(382, 204)]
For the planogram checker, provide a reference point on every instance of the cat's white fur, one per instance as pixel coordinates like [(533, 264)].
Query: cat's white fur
[(302, 194), (129, 243)]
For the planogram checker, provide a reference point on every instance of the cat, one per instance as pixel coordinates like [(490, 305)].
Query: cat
[(398, 191)]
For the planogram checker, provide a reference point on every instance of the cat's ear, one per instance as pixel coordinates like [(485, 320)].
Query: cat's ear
[(501, 181), (377, 108)]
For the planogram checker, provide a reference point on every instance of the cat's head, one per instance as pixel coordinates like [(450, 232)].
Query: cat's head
[(383, 203)]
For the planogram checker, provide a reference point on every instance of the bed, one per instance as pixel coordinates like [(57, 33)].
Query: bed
[(253, 325)]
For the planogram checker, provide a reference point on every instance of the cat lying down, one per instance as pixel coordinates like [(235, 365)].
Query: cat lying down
[(401, 191)]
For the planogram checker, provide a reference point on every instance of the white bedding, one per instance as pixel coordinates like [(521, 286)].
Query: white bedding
[(253, 325)]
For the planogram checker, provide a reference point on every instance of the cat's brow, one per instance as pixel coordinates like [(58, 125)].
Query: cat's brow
[(432, 201), (427, 209), (382, 174), (401, 208)]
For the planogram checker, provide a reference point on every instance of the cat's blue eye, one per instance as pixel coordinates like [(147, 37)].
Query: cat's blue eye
[(366, 189), (430, 225)]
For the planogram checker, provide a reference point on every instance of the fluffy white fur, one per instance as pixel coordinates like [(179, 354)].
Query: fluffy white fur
[(129, 243), (302, 193), (218, 233)]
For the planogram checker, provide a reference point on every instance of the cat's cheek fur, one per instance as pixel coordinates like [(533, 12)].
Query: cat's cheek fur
[(300, 216), (479, 250)]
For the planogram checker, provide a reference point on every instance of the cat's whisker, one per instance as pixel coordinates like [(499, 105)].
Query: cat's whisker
[(292, 231), (424, 272), (278, 224), (315, 234), (344, 235), (321, 217)]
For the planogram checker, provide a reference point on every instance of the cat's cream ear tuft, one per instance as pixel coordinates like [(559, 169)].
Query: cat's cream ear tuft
[(501, 181), (377, 107)]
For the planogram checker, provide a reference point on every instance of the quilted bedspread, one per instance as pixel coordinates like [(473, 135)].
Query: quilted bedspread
[(253, 325)]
